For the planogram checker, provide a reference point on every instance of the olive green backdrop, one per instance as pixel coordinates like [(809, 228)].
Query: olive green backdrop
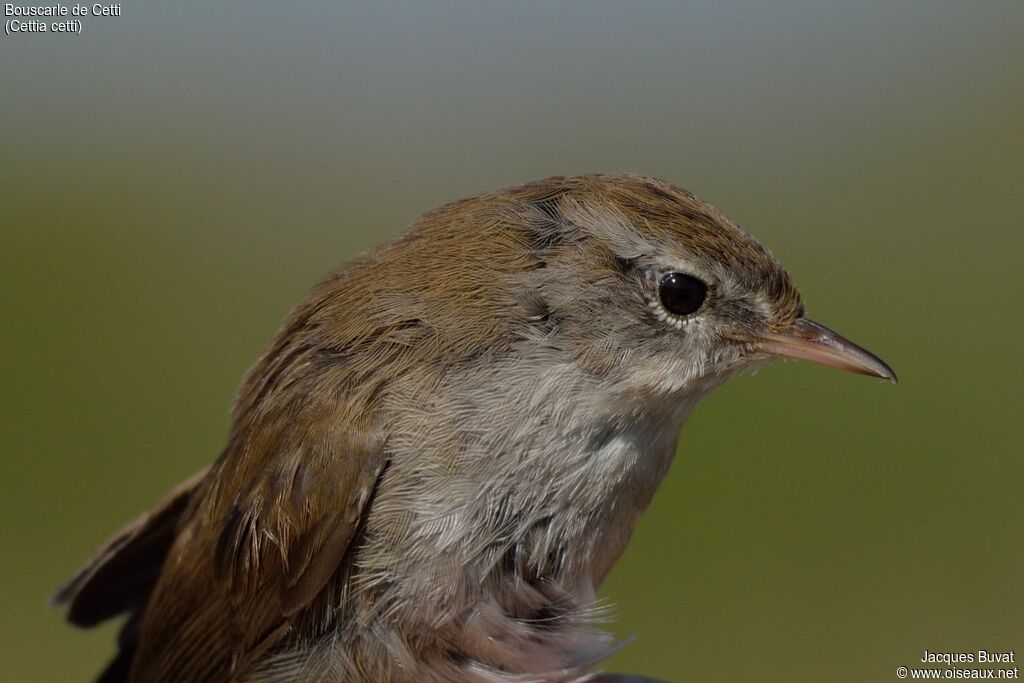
[(174, 179)]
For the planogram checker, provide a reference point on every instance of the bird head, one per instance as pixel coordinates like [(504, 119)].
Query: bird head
[(656, 288), (650, 291)]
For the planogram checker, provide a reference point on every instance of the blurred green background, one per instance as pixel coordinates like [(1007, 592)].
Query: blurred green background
[(174, 179)]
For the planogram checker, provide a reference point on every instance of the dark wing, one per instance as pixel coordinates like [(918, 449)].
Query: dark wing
[(260, 548), (121, 575)]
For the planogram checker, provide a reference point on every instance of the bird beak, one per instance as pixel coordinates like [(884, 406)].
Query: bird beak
[(808, 340)]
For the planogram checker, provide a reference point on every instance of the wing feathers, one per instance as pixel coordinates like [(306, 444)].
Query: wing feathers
[(121, 575), (317, 564), (260, 548)]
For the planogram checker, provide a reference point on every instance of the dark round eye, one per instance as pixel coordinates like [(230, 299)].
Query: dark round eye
[(682, 294)]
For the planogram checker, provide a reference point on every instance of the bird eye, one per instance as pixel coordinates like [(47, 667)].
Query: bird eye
[(682, 294)]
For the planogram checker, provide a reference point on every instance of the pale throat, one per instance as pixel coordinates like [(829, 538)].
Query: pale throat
[(634, 461)]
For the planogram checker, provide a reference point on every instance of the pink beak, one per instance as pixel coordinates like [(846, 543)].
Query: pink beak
[(808, 340)]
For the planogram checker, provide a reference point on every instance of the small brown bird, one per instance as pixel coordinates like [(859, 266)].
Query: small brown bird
[(445, 449)]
